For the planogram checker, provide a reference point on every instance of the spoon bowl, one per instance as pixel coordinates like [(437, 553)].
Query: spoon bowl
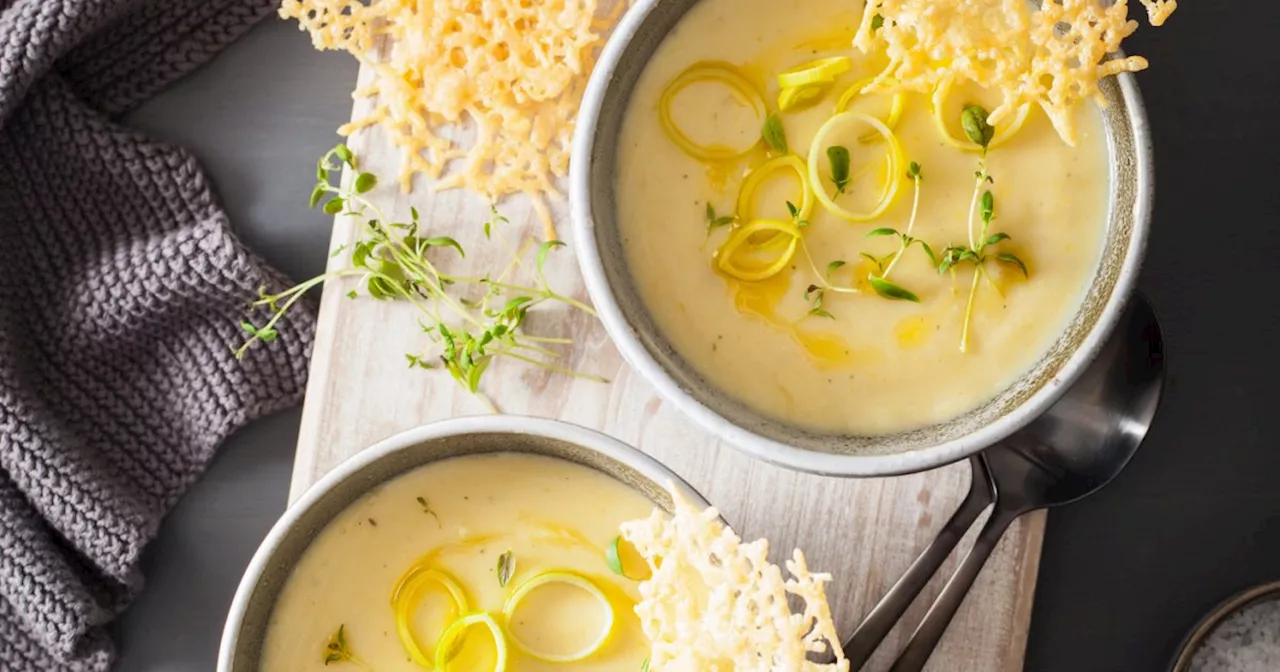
[(1078, 446)]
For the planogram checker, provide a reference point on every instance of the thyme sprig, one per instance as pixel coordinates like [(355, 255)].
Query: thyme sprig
[(815, 294), (337, 650), (953, 256), (881, 283), (973, 119), (397, 260)]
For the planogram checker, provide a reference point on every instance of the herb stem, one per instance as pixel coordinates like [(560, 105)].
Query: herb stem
[(552, 367), (968, 311), (902, 240)]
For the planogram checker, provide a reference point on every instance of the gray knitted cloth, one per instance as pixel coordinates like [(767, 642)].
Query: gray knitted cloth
[(121, 290)]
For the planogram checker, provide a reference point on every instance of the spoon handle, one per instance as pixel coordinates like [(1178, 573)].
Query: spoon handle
[(929, 633), (873, 629)]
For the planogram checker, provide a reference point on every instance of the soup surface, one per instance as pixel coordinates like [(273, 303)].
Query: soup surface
[(460, 516), (854, 363)]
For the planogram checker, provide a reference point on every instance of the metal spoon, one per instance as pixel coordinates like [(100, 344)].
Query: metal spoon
[(1079, 445)]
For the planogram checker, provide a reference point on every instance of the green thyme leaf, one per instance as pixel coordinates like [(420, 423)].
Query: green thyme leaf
[(506, 568), (1008, 258), (913, 171), (544, 249), (774, 135), (973, 119), (444, 241), (988, 207), (316, 195), (889, 290), (839, 158), (997, 237), (344, 154), (365, 182), (833, 267), (333, 206), (882, 232)]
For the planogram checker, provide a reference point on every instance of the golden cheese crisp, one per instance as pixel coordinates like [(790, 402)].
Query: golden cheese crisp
[(511, 70), (715, 603), (1052, 55)]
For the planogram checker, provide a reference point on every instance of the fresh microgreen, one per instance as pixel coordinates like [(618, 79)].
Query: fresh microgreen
[(506, 568), (398, 261), (815, 295), (264, 334), (881, 283), (365, 182), (773, 133), (495, 218), (833, 267), (838, 156), (426, 508), (795, 215), (337, 650), (953, 256), (973, 119), (714, 221), (644, 667)]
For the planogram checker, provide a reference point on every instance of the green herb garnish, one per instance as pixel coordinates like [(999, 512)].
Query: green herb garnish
[(815, 295), (973, 119), (881, 283), (338, 651), (506, 568), (839, 158), (714, 221), (395, 260), (773, 133), (877, 22), (978, 255)]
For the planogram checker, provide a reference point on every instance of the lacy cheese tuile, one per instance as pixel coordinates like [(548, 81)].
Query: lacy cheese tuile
[(715, 603), (512, 70), (1052, 56)]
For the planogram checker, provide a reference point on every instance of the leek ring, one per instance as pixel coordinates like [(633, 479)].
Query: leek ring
[(895, 107), (568, 578), (753, 180), (408, 593), (818, 150), (725, 256), (710, 71), (455, 630), (1003, 133), (821, 71)]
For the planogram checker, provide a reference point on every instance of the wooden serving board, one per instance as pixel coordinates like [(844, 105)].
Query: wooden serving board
[(864, 532)]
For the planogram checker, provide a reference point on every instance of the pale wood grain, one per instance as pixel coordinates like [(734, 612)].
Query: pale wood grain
[(865, 532)]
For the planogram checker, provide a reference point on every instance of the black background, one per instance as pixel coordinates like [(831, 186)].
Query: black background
[(1196, 516)]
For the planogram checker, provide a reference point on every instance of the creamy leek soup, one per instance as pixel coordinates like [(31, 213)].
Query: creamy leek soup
[(523, 540), (817, 316)]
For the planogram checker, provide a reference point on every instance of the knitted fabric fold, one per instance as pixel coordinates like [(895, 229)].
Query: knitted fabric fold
[(122, 288)]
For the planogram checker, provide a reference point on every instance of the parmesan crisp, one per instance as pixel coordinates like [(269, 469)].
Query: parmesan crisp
[(1051, 56), (714, 603), (515, 69)]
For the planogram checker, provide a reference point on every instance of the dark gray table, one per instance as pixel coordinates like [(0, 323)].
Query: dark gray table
[(1125, 573)]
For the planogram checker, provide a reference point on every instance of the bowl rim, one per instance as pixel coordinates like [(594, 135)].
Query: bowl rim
[(591, 263), (1211, 621), (583, 437)]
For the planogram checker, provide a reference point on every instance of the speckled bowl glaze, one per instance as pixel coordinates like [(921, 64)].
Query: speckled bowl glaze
[(1220, 614), (600, 253), (275, 559)]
